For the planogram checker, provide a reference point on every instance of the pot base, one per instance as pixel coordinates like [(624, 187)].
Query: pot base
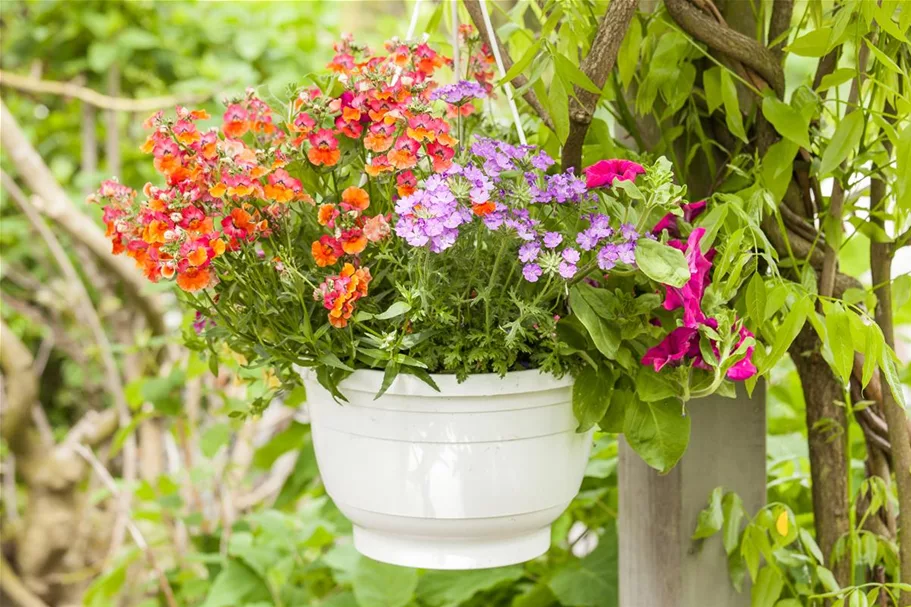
[(441, 553)]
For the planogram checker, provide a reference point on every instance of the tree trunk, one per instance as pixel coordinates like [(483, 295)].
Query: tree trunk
[(826, 431)]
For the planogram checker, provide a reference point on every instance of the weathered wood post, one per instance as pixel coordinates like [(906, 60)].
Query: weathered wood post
[(660, 566)]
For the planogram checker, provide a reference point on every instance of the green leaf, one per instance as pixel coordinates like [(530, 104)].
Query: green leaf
[(767, 588), (519, 66), (756, 299), (903, 169), (812, 44), (592, 581), (558, 100), (136, 38), (657, 431), (236, 584), (380, 585), (884, 12), (845, 140), (591, 396), (836, 78), (605, 334), (214, 438), (838, 330), (787, 120), (732, 508), (571, 73), (827, 579), (890, 372), (628, 57), (396, 309), (711, 518), (810, 545), (711, 83), (787, 332), (451, 588), (732, 115), (778, 167), (883, 58), (662, 263)]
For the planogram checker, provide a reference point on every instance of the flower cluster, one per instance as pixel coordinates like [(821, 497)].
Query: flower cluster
[(340, 292)]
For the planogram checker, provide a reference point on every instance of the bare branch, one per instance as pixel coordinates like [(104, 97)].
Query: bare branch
[(14, 589), (476, 14), (87, 95), (56, 205), (21, 389), (136, 534), (597, 65)]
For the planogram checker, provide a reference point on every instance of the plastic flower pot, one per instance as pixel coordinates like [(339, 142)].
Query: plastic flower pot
[(468, 477)]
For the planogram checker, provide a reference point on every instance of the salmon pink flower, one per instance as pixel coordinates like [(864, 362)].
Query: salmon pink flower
[(236, 122), (324, 148), (326, 215), (406, 183), (326, 251), (381, 137), (440, 155), (404, 153), (378, 165), (355, 199), (353, 241), (376, 228), (606, 172)]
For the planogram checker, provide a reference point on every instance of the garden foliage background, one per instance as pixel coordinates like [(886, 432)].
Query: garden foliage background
[(225, 510)]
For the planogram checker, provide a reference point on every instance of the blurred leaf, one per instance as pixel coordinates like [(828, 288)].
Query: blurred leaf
[(380, 585), (593, 580), (451, 588), (843, 143)]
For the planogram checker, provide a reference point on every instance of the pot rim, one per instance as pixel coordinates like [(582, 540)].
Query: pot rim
[(481, 384)]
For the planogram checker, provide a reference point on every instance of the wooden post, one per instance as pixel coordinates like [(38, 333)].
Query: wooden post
[(660, 566)]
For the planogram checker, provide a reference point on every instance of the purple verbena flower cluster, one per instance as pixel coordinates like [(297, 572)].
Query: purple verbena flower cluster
[(431, 215), (459, 93)]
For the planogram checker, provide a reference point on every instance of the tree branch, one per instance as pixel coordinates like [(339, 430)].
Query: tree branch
[(730, 42), (87, 95), (14, 589), (597, 65), (56, 205), (21, 389), (476, 14)]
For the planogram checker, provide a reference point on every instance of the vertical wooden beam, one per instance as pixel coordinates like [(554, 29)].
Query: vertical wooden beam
[(659, 564)]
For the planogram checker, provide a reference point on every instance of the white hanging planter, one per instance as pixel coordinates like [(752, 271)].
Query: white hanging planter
[(465, 478)]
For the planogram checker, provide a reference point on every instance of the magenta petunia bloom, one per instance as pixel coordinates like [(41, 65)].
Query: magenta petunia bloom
[(606, 172), (691, 211), (743, 369), (678, 344), (689, 296)]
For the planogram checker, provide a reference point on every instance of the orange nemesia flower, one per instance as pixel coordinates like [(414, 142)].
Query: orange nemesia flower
[(193, 279), (355, 198)]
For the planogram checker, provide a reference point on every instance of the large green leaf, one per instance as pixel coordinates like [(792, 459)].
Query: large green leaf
[(844, 141), (582, 299), (711, 518), (787, 120), (767, 588), (451, 588), (380, 585), (838, 330), (658, 431), (662, 263), (592, 581), (732, 115), (592, 395)]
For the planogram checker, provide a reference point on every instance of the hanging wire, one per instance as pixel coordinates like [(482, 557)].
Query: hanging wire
[(455, 39), (411, 27), (491, 35)]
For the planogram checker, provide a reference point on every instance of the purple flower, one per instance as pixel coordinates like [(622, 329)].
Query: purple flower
[(531, 272), (600, 225), (552, 239), (608, 257), (565, 187), (567, 270), (459, 93), (587, 239), (431, 215), (628, 231), (571, 255), (529, 251), (542, 161), (626, 252)]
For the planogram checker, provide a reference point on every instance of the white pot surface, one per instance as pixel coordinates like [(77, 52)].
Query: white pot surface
[(465, 478)]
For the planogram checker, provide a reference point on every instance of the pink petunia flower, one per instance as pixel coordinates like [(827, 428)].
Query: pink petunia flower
[(606, 172), (680, 343), (689, 296)]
